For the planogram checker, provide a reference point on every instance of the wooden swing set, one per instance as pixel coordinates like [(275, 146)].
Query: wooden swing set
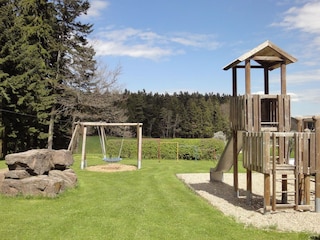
[(82, 128)]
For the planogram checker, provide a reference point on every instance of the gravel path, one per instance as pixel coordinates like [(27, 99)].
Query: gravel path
[(221, 195)]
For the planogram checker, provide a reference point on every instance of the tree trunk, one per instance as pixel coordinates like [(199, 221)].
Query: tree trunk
[(51, 127), (3, 143)]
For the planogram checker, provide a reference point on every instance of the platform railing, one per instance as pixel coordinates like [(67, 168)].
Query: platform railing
[(293, 148), (255, 113)]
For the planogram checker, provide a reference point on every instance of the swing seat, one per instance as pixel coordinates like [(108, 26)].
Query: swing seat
[(115, 159)]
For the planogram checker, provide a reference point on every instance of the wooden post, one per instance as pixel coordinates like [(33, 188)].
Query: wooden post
[(317, 167), (103, 143), (248, 91), (248, 76), (83, 155), (266, 194), (249, 186), (266, 80), (234, 82), (274, 174), (283, 79), (235, 163), (74, 134), (139, 136), (299, 124), (306, 190)]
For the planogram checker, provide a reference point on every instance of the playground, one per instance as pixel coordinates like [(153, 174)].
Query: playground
[(153, 203)]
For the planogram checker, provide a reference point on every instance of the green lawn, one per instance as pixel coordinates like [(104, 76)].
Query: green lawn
[(150, 203)]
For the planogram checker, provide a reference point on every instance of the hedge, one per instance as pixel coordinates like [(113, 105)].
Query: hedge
[(156, 148)]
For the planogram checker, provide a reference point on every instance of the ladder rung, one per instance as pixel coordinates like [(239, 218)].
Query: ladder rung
[(278, 173), (269, 123), (288, 179), (286, 192)]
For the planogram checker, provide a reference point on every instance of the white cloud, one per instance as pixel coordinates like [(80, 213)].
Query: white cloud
[(148, 44), (294, 97), (305, 18), (96, 7), (196, 40), (309, 95), (105, 48), (304, 77), (128, 35)]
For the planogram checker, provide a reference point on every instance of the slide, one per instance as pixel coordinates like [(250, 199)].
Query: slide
[(226, 160)]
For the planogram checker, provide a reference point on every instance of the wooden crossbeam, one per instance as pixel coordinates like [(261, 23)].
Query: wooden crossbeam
[(267, 58)]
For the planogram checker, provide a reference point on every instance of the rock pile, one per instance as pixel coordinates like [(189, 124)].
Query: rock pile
[(38, 172)]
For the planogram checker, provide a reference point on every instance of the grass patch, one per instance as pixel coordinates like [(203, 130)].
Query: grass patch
[(147, 204)]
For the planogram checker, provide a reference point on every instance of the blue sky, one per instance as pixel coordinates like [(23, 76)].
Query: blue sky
[(174, 45)]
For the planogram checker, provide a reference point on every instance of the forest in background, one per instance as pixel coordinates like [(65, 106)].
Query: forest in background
[(185, 115), (49, 79)]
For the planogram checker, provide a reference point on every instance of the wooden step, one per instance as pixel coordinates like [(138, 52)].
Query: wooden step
[(285, 205), (294, 206), (285, 167)]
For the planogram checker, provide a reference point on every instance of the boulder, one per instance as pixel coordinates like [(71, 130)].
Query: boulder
[(17, 174), (36, 162), (38, 172), (68, 176), (62, 159), (42, 185), (39, 161)]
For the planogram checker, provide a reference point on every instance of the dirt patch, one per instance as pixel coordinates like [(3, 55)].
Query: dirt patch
[(112, 167)]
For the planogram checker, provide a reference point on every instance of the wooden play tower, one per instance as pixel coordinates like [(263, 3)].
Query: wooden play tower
[(261, 127)]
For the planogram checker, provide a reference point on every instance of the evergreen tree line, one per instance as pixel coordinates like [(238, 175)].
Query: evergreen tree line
[(185, 115)]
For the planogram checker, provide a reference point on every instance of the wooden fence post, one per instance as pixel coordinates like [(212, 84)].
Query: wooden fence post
[(83, 153), (139, 138), (317, 165)]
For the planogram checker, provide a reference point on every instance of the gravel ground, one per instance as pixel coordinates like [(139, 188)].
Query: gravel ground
[(221, 195)]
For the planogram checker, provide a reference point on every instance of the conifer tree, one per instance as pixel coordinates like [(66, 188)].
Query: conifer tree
[(44, 59), (25, 71), (74, 64)]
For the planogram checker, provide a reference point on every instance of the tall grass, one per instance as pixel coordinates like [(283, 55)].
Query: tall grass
[(150, 203)]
